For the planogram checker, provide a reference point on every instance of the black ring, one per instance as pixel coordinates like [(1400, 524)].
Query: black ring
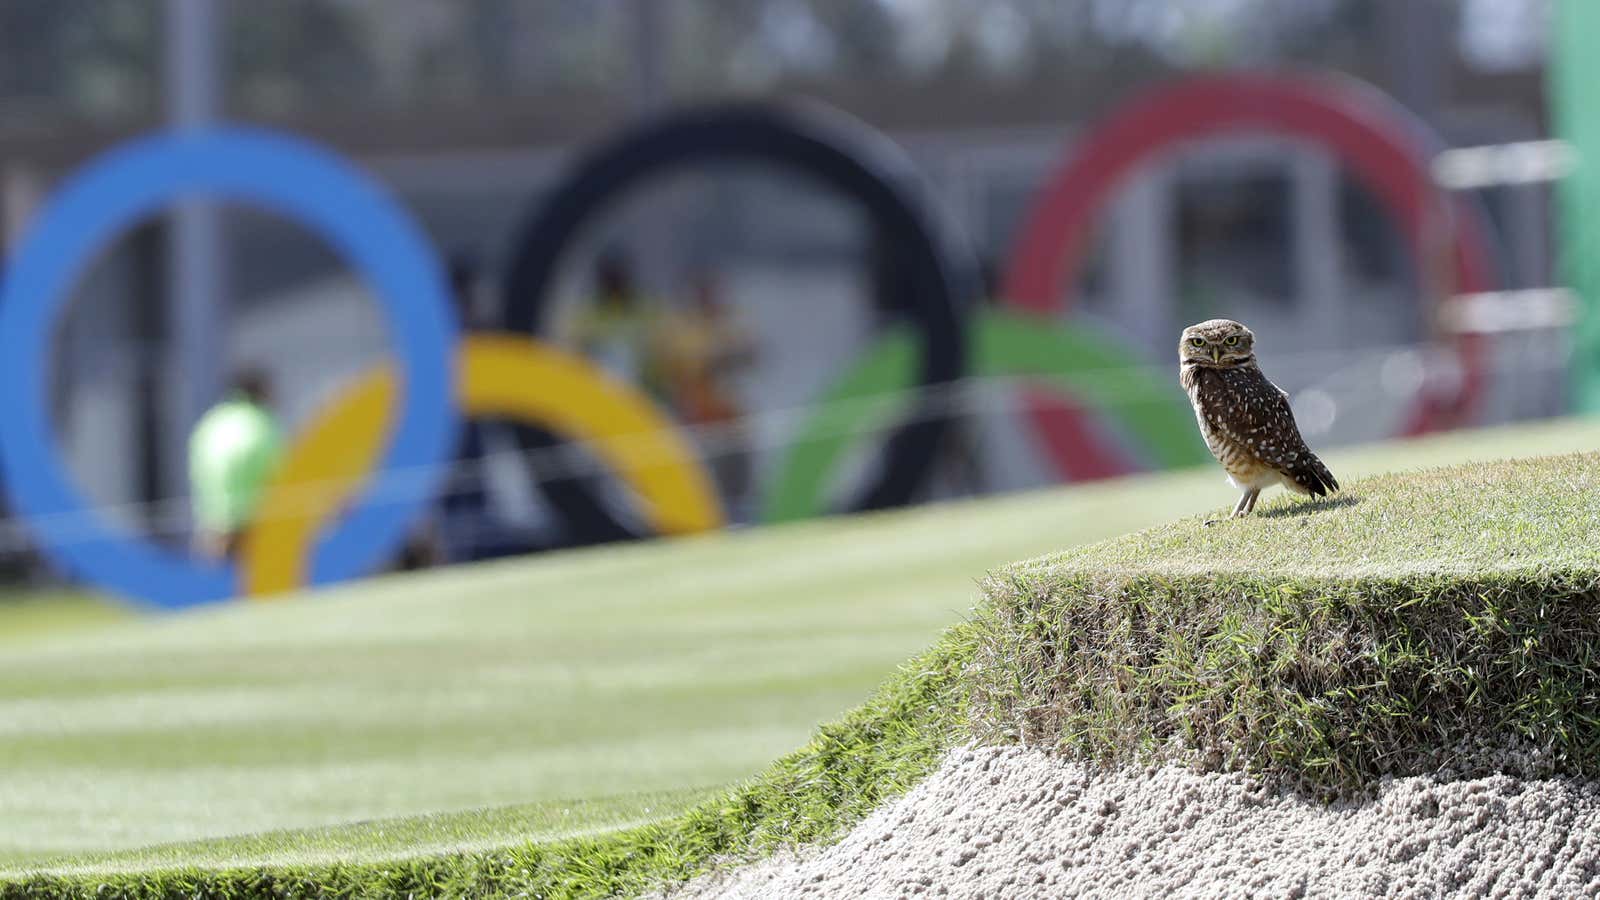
[(936, 272)]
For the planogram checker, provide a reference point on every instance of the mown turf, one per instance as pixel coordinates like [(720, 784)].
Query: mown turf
[(663, 659), (29, 616), (841, 774), (1447, 619), (387, 840)]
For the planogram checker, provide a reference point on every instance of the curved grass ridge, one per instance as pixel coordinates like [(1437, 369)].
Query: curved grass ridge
[(1446, 621)]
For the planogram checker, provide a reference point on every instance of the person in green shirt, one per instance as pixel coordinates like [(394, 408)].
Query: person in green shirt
[(618, 331), (233, 451)]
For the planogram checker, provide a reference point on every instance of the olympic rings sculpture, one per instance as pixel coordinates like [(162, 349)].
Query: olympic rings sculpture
[(357, 477)]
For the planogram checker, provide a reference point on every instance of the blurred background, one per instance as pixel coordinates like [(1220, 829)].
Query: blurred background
[(1369, 185)]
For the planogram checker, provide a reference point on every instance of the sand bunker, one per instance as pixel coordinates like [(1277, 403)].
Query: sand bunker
[(1002, 823)]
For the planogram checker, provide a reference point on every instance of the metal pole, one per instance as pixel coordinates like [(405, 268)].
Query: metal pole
[(195, 279), (1144, 256), (1319, 275), (1415, 55), (648, 41), (648, 96)]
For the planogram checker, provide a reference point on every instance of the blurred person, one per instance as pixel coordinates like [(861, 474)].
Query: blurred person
[(233, 450), (619, 330), (704, 347)]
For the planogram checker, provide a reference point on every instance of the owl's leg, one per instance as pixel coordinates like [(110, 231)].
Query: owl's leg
[(1246, 503), (1246, 500)]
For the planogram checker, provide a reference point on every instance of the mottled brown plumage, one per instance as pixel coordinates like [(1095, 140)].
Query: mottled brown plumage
[(1245, 418)]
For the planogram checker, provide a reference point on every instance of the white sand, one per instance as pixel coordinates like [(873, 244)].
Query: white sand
[(1003, 823)]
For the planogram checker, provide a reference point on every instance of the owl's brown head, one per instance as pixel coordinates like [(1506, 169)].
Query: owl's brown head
[(1218, 344)]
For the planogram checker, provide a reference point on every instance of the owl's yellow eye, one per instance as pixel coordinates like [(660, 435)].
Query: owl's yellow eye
[(1198, 342), (1232, 341)]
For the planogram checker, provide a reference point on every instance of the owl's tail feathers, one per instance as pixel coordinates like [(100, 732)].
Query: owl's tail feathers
[(1314, 477)]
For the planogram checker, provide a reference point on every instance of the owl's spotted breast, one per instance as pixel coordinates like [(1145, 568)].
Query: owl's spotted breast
[(1248, 426), (1243, 467)]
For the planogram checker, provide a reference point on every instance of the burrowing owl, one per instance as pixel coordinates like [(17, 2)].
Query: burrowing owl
[(1245, 418)]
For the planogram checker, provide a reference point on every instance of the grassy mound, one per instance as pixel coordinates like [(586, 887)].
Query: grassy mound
[(1442, 620), (1414, 621)]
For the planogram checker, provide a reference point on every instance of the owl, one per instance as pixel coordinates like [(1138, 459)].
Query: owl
[(1245, 418)]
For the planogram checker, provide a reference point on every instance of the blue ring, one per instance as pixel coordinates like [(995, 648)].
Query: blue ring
[(290, 178)]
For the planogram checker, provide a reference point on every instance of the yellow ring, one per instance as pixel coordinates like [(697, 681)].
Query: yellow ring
[(502, 376)]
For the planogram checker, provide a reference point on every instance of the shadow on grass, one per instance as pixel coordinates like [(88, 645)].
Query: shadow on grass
[(1309, 507)]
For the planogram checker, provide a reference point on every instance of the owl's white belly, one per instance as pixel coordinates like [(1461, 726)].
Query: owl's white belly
[(1245, 471), (1259, 480)]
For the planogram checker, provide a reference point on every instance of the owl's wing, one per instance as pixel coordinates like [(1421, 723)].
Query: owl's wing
[(1254, 413)]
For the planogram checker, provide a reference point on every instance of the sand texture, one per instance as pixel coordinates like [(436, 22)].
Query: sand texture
[(1003, 823)]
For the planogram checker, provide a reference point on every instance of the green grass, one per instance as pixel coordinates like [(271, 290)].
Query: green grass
[(29, 616), (387, 840), (229, 751), (1447, 619), (847, 769)]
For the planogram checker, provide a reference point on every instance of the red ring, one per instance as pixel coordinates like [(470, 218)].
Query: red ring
[(1383, 144)]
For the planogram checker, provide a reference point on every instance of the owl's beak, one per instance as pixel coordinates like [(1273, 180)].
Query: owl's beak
[(1216, 354)]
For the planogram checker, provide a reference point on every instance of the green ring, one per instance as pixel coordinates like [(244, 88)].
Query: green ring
[(1087, 364)]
